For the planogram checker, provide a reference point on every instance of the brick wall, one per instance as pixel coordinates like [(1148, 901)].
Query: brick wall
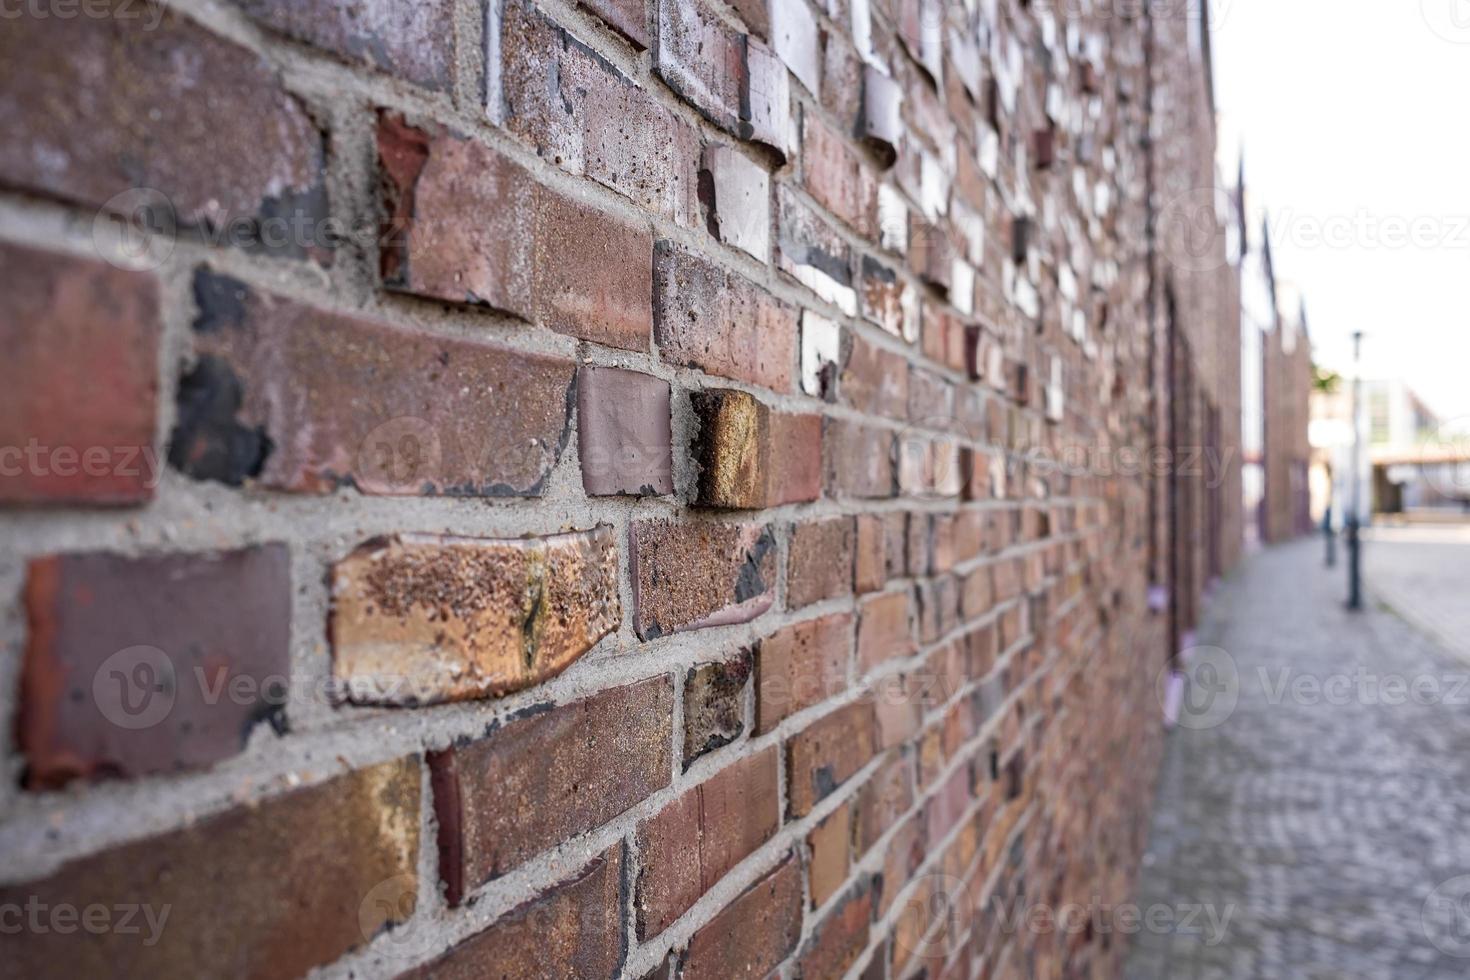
[(634, 487)]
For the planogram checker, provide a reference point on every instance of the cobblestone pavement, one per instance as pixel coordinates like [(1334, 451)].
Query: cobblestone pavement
[(1325, 814), (1423, 572)]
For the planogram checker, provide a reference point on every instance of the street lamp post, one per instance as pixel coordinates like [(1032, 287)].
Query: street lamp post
[(1355, 581)]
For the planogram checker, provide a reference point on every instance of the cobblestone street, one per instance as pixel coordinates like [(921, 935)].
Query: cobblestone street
[(1324, 812)]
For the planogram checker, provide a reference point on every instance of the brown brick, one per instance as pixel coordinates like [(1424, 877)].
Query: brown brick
[(546, 778), (820, 562), (882, 800), (719, 322), (869, 564), (875, 381), (690, 576), (303, 878), (827, 753), (976, 595), (557, 95), (469, 225), (627, 17), (750, 457), (885, 629), (837, 177), (735, 198), (80, 376), (413, 41), (421, 619), (624, 433), (161, 135), (695, 841), (141, 666), (573, 929), (859, 460), (830, 843), (714, 705), (799, 666), (754, 933), (840, 938), (897, 709), (906, 851), (293, 396)]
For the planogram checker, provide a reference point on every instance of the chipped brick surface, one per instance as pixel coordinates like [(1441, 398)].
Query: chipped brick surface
[(624, 432), (129, 660), (751, 457), (419, 619), (693, 576), (714, 705)]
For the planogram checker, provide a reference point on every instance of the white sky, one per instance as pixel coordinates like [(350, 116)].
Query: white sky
[(1355, 120)]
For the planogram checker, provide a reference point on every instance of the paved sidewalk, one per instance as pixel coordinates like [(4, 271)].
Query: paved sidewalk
[(1327, 813)]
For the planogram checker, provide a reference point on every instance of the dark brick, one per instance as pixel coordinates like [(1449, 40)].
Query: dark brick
[(820, 562), (754, 933), (414, 41), (293, 396), (799, 666), (714, 705), (304, 877), (80, 376), (420, 619), (627, 17), (826, 754), (693, 842), (623, 432), (690, 576), (140, 666), (750, 457), (544, 779)]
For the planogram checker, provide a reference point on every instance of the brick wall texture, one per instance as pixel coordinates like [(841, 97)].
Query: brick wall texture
[(613, 488)]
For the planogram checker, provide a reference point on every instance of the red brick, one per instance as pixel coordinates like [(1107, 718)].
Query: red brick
[(859, 460), (754, 933), (735, 197), (882, 800), (869, 563), (469, 225), (820, 562), (750, 457), (906, 851), (839, 939), (573, 929), (624, 434), (837, 177), (885, 629), (897, 709), (422, 619), (142, 666), (714, 705), (830, 844), (694, 842), (875, 381), (826, 754), (691, 576), (80, 376), (627, 17), (799, 666), (162, 131), (717, 321), (544, 779), (976, 595), (948, 805), (293, 396), (938, 612), (578, 112), (268, 890), (888, 300), (413, 41)]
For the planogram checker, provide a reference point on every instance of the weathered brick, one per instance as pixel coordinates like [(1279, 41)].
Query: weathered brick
[(80, 378), (413, 41), (812, 252), (885, 630), (716, 320), (627, 17), (842, 80), (797, 42), (880, 126), (837, 177), (546, 778), (421, 619), (870, 571), (141, 666), (754, 933), (573, 929), (305, 877), (159, 136), (624, 433), (293, 397), (703, 60), (821, 351), (826, 754), (888, 300), (751, 457), (882, 800), (695, 841), (799, 666), (819, 565), (714, 705), (875, 381), (830, 844), (839, 939), (735, 195), (767, 108), (578, 112), (859, 460), (469, 225), (690, 576)]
